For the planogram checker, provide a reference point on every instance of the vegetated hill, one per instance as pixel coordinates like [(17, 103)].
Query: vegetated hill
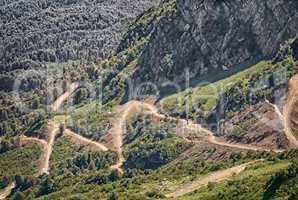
[(238, 107), (156, 160), (44, 45), (58, 31)]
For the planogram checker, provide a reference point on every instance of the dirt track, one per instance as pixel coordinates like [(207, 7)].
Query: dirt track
[(61, 99), (42, 168), (7, 191), (119, 128), (203, 181), (84, 141), (133, 107)]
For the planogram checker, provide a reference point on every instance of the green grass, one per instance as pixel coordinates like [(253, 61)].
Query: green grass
[(203, 100), (20, 161), (207, 96)]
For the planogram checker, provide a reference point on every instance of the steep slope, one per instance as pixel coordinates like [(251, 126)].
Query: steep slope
[(208, 37), (259, 125), (291, 111), (45, 43)]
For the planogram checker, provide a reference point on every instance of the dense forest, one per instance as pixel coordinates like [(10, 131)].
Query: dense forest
[(94, 105)]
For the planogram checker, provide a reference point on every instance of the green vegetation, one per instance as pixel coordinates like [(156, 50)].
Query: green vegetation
[(145, 184), (250, 184), (267, 180), (151, 145), (63, 149), (90, 120), (70, 158), (19, 161), (248, 87)]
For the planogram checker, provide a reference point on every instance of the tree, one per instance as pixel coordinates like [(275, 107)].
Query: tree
[(47, 186), (4, 182), (19, 196), (61, 130), (113, 196), (114, 176)]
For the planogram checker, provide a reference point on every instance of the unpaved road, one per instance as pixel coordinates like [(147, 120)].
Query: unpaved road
[(61, 99), (84, 141), (292, 99), (52, 130), (134, 107), (277, 110), (45, 148), (118, 130), (123, 114), (198, 129), (203, 181), (7, 191)]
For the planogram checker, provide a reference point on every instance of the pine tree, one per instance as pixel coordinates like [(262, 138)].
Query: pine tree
[(19, 196)]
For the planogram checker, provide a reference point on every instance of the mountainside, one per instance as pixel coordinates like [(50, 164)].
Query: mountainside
[(208, 37), (146, 100), (57, 31)]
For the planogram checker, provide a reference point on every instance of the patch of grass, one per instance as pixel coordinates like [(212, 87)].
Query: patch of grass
[(240, 87), (207, 97)]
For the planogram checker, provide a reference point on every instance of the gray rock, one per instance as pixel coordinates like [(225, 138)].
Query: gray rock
[(219, 33)]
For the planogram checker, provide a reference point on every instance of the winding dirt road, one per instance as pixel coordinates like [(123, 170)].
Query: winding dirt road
[(203, 181), (119, 129), (134, 107), (61, 99)]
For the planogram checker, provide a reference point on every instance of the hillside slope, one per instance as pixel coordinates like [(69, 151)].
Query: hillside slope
[(207, 37)]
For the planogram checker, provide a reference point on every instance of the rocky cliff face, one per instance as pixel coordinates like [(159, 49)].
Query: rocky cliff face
[(210, 36)]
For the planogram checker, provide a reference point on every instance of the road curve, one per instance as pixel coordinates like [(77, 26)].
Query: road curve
[(133, 107), (84, 141), (45, 148), (119, 125)]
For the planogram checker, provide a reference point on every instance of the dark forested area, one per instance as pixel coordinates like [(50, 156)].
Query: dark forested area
[(47, 44), (58, 31)]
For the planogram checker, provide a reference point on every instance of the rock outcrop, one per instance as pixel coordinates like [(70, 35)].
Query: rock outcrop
[(212, 36), (260, 125)]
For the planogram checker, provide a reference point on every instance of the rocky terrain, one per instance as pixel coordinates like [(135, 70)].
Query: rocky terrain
[(260, 125), (82, 116), (208, 37)]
